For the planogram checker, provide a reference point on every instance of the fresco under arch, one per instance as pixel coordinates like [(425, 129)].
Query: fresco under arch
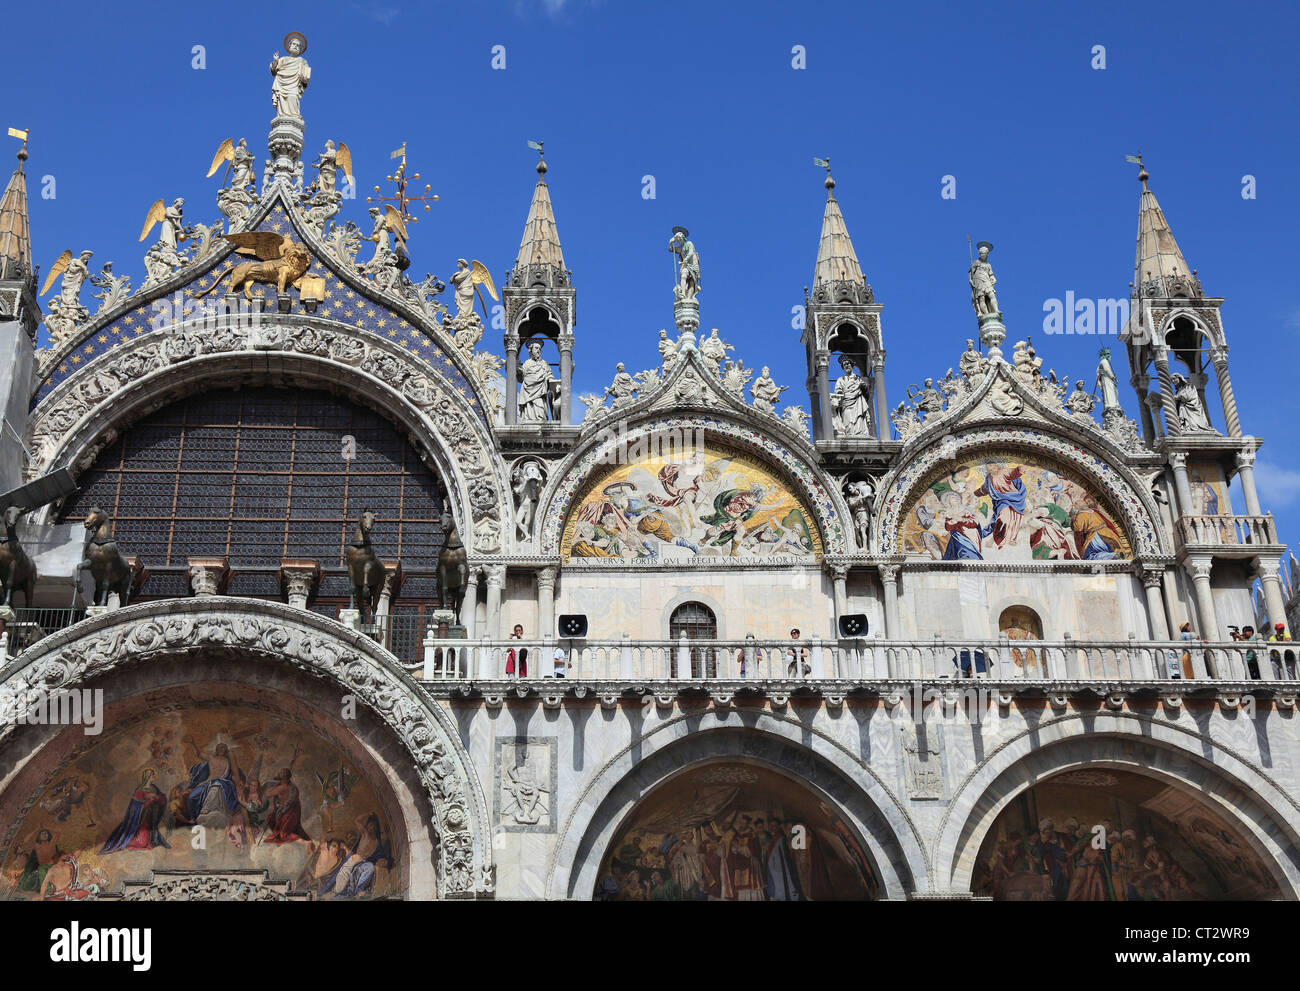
[(735, 832), (1008, 506), (1108, 835), (203, 785), (696, 501)]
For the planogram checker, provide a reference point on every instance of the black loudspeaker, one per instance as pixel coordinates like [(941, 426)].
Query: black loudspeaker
[(853, 625), (573, 627)]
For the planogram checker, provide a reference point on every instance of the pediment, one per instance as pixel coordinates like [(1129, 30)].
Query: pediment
[(349, 299)]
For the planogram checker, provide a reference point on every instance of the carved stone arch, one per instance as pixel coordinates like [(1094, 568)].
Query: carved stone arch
[(1209, 329), (91, 407), (893, 839), (598, 450), (1241, 792), (276, 634), (1111, 476)]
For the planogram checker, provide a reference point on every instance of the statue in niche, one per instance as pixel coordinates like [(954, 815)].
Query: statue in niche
[(539, 389), (1187, 403), (850, 409)]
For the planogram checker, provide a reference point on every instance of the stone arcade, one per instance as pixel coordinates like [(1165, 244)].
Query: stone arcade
[(785, 610)]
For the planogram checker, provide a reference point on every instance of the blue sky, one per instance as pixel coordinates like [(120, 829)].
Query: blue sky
[(703, 96)]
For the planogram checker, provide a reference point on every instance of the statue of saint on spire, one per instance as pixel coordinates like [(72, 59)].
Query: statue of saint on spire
[(982, 296), (688, 268), (290, 75)]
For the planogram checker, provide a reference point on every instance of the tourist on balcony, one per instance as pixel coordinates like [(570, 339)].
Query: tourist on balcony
[(561, 662), (1185, 633), (1283, 661), (1252, 661), (795, 655), (517, 634)]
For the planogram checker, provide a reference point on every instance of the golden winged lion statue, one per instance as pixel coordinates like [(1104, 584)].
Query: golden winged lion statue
[(281, 262)]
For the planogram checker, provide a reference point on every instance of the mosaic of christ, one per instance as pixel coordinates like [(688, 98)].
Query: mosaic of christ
[(1004, 506), (697, 502), (213, 787)]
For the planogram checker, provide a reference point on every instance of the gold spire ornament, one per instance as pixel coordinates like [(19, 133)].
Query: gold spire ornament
[(396, 209)]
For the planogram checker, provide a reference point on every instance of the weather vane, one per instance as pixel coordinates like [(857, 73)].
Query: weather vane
[(402, 199), (21, 134)]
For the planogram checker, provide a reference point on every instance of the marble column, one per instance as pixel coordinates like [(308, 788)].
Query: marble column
[(566, 377), (882, 404), (1246, 473), (512, 378), (469, 605), (546, 602), (1230, 415), (496, 581), (1172, 427), (1199, 566), (824, 398), (1182, 485), (1150, 410), (889, 581), (1140, 383), (1151, 581), (840, 576), (1267, 570)]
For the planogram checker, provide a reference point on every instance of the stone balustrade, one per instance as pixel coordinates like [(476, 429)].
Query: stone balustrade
[(1227, 531), (866, 660)]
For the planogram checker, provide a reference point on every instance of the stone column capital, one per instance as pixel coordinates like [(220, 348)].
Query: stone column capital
[(1151, 576), (1219, 355), (1178, 460), (209, 575), (1267, 568), (546, 578), (889, 573), (496, 575), (1246, 458), (299, 579), (565, 343), (1199, 567), (512, 343)]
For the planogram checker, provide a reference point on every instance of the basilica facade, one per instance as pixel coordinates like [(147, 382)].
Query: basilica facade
[(344, 597)]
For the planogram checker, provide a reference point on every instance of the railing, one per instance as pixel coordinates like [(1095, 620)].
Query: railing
[(859, 660), (1227, 530), (31, 625)]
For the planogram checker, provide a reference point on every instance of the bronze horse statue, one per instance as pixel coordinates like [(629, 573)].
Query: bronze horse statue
[(108, 565), (364, 567), (16, 567), (453, 572)]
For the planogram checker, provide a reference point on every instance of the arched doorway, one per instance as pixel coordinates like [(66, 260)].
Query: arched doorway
[(1104, 834), (695, 621), (735, 831), (1023, 623)]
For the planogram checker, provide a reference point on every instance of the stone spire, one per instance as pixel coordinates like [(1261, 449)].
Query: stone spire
[(1161, 269), (540, 261), (17, 276), (540, 302), (15, 234), (837, 262)]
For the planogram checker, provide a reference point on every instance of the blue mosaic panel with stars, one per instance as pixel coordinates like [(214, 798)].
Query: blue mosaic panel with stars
[(341, 303)]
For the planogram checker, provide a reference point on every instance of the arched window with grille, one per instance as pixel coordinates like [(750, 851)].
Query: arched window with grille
[(697, 622)]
